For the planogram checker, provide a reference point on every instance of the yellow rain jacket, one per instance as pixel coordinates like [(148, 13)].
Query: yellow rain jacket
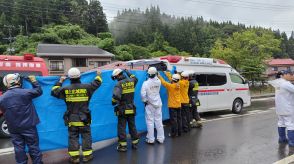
[(174, 94), (184, 88)]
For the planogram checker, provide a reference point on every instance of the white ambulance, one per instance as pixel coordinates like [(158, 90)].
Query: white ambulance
[(220, 86)]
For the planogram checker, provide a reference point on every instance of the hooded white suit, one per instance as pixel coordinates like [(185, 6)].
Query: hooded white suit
[(153, 113)]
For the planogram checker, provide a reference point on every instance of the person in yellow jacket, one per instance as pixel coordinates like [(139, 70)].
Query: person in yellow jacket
[(184, 98), (174, 104), (184, 88)]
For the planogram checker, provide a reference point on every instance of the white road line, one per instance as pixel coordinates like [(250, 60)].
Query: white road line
[(6, 151), (254, 111), (243, 115), (228, 115), (286, 160)]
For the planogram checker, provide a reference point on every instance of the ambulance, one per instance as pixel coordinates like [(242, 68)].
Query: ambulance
[(24, 65), (220, 86)]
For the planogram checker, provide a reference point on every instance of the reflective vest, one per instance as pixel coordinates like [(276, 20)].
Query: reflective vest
[(77, 97), (193, 93), (123, 96)]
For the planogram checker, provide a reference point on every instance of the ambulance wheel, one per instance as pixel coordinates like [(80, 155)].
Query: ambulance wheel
[(4, 133), (237, 106)]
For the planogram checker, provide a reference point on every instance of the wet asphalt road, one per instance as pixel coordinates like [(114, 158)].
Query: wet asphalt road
[(245, 139)]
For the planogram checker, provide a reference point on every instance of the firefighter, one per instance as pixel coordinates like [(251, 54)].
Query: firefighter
[(125, 109), (77, 116), (153, 114), (195, 120), (174, 104), (21, 116), (185, 111)]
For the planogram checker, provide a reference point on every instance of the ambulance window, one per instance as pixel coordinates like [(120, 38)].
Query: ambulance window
[(201, 79), (236, 79), (216, 79)]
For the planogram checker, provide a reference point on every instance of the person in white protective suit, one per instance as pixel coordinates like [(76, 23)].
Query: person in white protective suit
[(284, 100), (153, 113)]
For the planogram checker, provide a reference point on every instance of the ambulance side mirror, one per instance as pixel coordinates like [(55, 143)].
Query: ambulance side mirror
[(246, 81)]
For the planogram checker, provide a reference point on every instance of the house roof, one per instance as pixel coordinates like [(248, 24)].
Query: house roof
[(275, 62), (71, 50)]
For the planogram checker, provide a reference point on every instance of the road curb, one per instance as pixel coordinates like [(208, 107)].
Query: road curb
[(262, 96)]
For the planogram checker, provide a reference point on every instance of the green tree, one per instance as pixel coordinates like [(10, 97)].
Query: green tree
[(123, 52), (139, 52), (246, 51), (107, 44), (96, 18)]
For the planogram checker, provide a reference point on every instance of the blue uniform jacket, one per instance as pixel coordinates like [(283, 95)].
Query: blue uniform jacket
[(18, 108)]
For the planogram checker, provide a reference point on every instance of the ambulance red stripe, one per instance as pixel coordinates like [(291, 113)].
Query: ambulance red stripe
[(213, 90), (242, 89)]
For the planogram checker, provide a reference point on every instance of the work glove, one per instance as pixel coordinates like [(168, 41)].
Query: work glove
[(62, 79), (32, 78)]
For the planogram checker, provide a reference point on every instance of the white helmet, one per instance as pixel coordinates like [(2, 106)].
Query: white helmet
[(185, 74), (116, 72), (74, 73), (152, 71), (176, 77), (11, 80)]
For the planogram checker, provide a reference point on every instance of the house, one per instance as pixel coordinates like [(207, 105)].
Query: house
[(60, 57), (275, 65)]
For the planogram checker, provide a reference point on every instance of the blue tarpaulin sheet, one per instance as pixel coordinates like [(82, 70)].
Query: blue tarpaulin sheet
[(53, 133)]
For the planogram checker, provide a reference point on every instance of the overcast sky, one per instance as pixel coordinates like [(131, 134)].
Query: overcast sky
[(277, 14)]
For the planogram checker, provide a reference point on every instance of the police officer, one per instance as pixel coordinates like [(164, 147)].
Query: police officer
[(78, 116), (125, 109), (153, 114), (284, 96), (21, 116), (195, 120)]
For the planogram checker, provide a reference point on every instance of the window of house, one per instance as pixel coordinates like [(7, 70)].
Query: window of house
[(98, 63), (79, 62), (275, 68), (288, 69), (236, 79), (56, 65), (216, 79)]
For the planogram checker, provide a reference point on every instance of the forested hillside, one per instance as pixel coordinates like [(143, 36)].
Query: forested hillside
[(28, 16), (193, 35)]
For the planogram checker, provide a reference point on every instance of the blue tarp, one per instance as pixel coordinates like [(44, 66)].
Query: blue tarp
[(52, 131)]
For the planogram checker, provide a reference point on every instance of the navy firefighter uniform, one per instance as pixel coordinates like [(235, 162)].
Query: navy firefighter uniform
[(21, 117), (77, 116), (195, 120), (123, 100)]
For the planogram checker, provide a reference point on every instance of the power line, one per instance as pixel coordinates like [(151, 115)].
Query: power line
[(10, 39)]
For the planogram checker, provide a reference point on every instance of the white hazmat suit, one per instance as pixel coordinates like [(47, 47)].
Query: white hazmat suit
[(153, 113)]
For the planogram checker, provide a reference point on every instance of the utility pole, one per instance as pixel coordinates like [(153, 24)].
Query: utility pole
[(11, 49)]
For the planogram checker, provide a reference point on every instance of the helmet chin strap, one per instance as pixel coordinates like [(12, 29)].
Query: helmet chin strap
[(152, 76)]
